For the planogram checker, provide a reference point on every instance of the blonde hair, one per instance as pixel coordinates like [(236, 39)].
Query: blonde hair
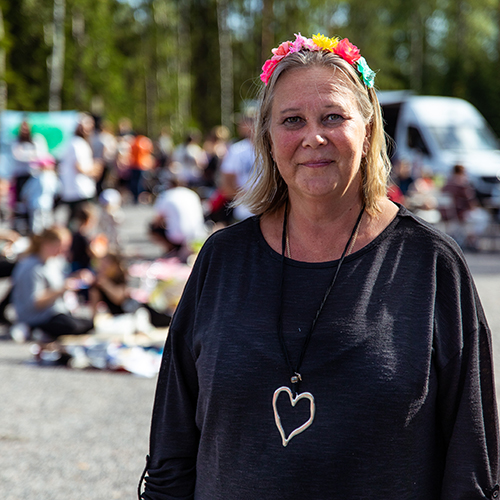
[(266, 190)]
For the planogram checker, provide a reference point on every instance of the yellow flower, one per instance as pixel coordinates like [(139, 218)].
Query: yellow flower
[(323, 42)]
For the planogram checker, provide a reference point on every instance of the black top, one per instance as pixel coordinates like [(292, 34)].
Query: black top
[(399, 365), (80, 257)]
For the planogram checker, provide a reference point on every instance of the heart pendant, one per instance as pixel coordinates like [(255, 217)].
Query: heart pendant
[(293, 400)]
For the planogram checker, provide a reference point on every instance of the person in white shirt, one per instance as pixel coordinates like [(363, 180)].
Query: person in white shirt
[(190, 160), (179, 220), (25, 152), (237, 166), (77, 170), (39, 193)]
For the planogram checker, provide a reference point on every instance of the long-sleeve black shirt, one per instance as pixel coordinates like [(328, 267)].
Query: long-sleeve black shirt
[(399, 364)]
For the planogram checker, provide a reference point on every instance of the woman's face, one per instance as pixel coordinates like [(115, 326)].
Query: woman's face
[(318, 136)]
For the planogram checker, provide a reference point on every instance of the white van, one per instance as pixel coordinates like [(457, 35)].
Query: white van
[(436, 133)]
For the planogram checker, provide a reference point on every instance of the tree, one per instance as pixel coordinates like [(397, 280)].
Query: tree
[(57, 59), (3, 83), (191, 63)]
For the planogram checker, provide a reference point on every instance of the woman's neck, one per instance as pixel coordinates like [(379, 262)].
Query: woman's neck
[(319, 232)]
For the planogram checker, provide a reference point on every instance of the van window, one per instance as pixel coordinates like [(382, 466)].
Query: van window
[(464, 137), (390, 114), (416, 141)]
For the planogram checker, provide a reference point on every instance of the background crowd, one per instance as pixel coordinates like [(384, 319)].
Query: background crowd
[(190, 185)]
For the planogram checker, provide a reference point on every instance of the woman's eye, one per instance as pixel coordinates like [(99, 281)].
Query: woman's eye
[(292, 119), (333, 118)]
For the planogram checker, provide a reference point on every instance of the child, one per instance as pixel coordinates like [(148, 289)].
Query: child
[(38, 194), (110, 285)]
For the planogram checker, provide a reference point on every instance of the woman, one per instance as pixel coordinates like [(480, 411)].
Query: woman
[(24, 153), (333, 346), (39, 286), (77, 170)]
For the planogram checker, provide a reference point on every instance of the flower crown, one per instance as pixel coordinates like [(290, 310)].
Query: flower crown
[(343, 48)]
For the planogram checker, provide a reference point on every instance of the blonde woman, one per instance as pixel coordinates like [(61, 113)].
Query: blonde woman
[(333, 346)]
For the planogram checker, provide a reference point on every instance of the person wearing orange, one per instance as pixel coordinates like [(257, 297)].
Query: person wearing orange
[(141, 160)]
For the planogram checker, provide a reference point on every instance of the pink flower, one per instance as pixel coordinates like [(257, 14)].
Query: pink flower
[(268, 68), (301, 42), (347, 51), (281, 51)]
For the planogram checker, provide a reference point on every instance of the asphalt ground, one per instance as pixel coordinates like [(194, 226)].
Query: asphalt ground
[(69, 434), (75, 435)]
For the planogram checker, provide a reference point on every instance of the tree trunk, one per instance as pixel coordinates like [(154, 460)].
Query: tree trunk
[(183, 60), (267, 30), (226, 67), (3, 83), (57, 60), (416, 51), (78, 28)]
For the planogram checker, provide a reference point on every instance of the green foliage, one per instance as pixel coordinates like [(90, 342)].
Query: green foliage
[(158, 61)]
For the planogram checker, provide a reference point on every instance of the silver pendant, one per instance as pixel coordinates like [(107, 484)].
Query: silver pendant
[(293, 400)]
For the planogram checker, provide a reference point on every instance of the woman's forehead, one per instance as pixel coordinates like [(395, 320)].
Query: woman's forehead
[(322, 86)]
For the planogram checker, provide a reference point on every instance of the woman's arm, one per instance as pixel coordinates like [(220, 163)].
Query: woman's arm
[(171, 468), (469, 419), (174, 438), (466, 403)]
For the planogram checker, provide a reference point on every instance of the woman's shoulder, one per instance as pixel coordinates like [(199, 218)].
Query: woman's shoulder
[(426, 238), (226, 246), (233, 236)]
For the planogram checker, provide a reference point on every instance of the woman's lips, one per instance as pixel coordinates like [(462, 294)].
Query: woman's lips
[(316, 163)]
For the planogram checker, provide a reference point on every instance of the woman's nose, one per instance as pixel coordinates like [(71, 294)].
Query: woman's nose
[(314, 138)]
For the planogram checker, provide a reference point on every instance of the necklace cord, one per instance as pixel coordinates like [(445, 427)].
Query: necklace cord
[(296, 371), (282, 288)]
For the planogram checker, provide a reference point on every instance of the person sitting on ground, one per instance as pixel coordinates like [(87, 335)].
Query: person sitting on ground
[(40, 284), (13, 245), (110, 285), (110, 290), (179, 221)]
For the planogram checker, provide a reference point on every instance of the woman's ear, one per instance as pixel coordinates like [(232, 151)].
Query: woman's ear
[(271, 147)]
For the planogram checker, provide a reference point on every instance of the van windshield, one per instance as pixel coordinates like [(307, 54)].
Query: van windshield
[(463, 137)]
